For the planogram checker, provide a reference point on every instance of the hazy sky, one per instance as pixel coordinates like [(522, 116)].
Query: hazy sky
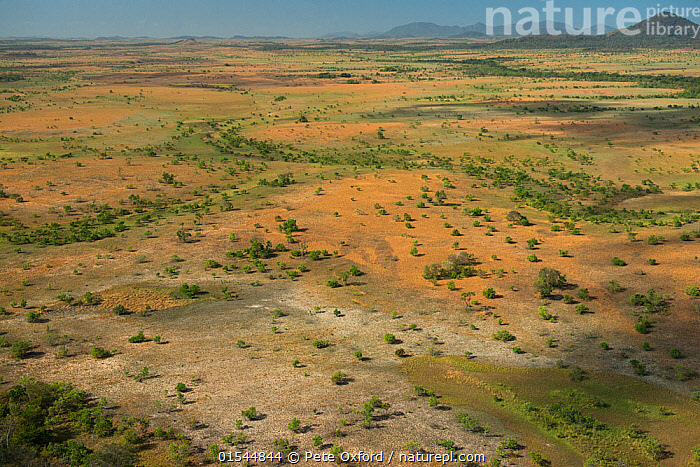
[(225, 18)]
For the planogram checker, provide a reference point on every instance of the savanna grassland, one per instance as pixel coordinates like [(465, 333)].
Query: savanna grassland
[(323, 246)]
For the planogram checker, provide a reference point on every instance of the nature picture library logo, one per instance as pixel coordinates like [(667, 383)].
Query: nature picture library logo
[(552, 20)]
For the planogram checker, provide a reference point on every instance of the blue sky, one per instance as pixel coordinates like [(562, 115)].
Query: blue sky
[(225, 18)]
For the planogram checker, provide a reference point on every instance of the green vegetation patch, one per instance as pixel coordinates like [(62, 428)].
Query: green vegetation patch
[(569, 418)]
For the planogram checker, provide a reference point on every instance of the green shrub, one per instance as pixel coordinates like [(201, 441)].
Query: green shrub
[(489, 292), (100, 353), (20, 349), (389, 338), (32, 316), (289, 226), (469, 423), (618, 262), (576, 374), (250, 414), (319, 344), (138, 338), (549, 279), (696, 453), (538, 459), (681, 373), (583, 294), (338, 377), (294, 425), (119, 310), (503, 336), (189, 291), (642, 326)]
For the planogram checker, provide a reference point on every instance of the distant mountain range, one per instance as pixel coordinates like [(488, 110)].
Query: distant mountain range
[(672, 25), (423, 30), (657, 30)]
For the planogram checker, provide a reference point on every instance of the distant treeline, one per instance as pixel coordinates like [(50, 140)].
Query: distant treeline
[(491, 67), (608, 42), (10, 77)]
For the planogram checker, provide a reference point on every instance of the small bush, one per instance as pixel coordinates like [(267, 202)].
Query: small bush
[(696, 453), (100, 353), (618, 262), (389, 338), (211, 264), (250, 414), (489, 292), (503, 336), (189, 291), (20, 349), (469, 423), (642, 326), (681, 373), (294, 425), (576, 374), (32, 316), (583, 294), (138, 338), (338, 377)]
